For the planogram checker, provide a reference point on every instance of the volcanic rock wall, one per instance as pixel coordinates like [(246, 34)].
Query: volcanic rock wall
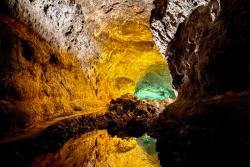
[(208, 60), (167, 15), (111, 39), (98, 50), (192, 54), (37, 83)]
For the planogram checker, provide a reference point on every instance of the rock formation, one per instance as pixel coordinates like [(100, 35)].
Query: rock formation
[(114, 51), (110, 38), (167, 15), (64, 60), (37, 83), (208, 60)]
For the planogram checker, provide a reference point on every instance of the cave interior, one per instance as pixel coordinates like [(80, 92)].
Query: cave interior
[(114, 83)]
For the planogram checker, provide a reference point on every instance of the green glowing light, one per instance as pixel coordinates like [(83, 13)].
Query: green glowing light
[(155, 93), (147, 143), (155, 85)]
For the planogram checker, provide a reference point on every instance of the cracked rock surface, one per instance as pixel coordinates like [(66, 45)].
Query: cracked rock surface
[(167, 16)]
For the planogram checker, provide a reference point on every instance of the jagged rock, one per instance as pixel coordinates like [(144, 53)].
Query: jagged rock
[(202, 54), (167, 15), (208, 58), (128, 116)]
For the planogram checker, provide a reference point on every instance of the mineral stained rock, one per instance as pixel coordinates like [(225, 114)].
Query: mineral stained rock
[(90, 52), (37, 83), (111, 38), (60, 22), (109, 41), (154, 86)]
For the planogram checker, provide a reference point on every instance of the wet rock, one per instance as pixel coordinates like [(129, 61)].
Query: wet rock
[(126, 117), (98, 149)]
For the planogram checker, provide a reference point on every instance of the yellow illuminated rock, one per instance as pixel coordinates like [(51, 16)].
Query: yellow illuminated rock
[(127, 54), (49, 83), (100, 150), (46, 83), (39, 83)]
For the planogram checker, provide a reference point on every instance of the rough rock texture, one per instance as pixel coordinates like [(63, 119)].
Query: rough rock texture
[(154, 86), (128, 116), (70, 25), (167, 15), (60, 22), (121, 29), (111, 38), (205, 49), (113, 44), (211, 132), (208, 59), (37, 83)]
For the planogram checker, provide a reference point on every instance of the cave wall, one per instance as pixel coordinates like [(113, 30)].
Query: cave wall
[(209, 65), (208, 124), (37, 83), (167, 15), (192, 54), (64, 59), (62, 23), (111, 39), (154, 86)]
